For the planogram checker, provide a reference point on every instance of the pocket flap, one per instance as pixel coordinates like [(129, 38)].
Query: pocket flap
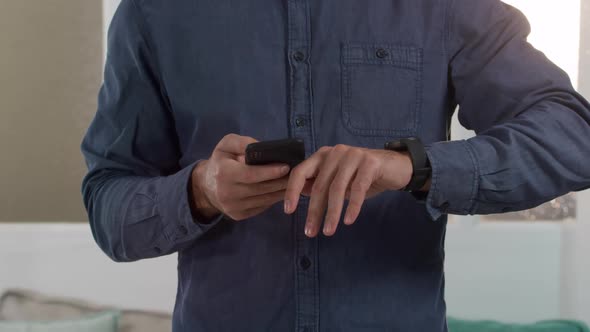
[(409, 57)]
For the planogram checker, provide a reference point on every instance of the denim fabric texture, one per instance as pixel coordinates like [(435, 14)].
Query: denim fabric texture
[(180, 75)]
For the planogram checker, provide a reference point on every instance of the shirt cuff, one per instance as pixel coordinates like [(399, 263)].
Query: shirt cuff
[(454, 182), (173, 203)]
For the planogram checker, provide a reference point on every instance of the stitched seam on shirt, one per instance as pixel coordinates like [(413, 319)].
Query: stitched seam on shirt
[(446, 29), (346, 82), (166, 229), (294, 217), (122, 229), (291, 75), (374, 132), (310, 104), (147, 36), (419, 91), (451, 35), (310, 81), (347, 93), (406, 56), (291, 29), (433, 184), (476, 172), (447, 21)]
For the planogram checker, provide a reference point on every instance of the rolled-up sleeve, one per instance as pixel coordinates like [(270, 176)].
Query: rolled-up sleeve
[(532, 128), (135, 192)]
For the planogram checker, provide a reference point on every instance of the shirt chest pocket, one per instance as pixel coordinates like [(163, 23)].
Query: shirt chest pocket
[(381, 89)]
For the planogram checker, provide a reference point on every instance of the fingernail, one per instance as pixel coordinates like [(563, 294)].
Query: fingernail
[(287, 206), (347, 220), (307, 230), (284, 169), (327, 230)]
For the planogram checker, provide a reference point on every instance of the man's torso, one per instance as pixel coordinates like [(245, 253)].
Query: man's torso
[(332, 71)]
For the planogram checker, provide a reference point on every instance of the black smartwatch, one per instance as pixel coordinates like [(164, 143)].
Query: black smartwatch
[(420, 163)]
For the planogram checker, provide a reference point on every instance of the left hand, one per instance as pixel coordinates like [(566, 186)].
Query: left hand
[(334, 173)]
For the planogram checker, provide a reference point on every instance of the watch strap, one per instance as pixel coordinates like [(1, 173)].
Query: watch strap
[(420, 163)]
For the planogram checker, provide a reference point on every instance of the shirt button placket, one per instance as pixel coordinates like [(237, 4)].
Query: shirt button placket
[(301, 126)]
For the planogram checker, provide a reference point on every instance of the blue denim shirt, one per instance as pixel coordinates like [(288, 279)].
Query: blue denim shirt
[(182, 74)]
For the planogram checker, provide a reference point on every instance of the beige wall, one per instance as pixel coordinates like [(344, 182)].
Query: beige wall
[(50, 72)]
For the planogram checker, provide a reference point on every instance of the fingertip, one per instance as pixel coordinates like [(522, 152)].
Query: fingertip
[(290, 203), (308, 231), (285, 169), (348, 220), (329, 225), (249, 139)]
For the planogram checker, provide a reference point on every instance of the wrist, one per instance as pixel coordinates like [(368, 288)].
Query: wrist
[(398, 170), (426, 186), (406, 175), (200, 205), (408, 169)]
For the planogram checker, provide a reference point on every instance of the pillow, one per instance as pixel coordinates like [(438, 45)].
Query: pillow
[(102, 322), (24, 305), (457, 325)]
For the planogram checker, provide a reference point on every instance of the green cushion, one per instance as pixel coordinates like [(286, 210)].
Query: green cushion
[(107, 321), (457, 325)]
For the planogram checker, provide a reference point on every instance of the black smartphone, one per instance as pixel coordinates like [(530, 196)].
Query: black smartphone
[(289, 151)]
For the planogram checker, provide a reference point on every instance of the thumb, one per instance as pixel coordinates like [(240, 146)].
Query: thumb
[(234, 144)]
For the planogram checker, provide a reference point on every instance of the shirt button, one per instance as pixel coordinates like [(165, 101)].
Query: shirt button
[(157, 250), (299, 122), (298, 56), (381, 53), (304, 262)]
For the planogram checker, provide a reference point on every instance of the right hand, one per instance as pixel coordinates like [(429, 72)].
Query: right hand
[(225, 184)]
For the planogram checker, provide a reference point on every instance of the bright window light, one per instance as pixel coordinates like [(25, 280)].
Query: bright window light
[(555, 30)]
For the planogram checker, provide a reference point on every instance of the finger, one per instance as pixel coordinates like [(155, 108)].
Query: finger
[(234, 145), (248, 213), (337, 192), (254, 212), (264, 200), (358, 191), (271, 186), (320, 191), (246, 208), (307, 187), (297, 179), (246, 174)]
